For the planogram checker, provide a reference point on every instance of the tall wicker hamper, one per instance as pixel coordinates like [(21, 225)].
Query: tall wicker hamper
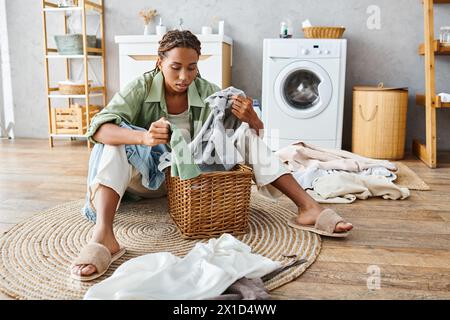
[(379, 122), (212, 203)]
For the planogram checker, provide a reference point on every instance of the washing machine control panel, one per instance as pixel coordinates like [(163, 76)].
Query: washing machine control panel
[(320, 49), (311, 48)]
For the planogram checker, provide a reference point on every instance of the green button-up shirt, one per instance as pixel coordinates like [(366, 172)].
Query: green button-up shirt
[(143, 101)]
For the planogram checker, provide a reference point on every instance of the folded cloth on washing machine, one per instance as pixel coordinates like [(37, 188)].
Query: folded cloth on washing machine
[(301, 155)]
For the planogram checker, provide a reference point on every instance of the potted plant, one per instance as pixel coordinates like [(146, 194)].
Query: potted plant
[(147, 15)]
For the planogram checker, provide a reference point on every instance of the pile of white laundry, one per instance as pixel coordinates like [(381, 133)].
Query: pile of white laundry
[(205, 272), (339, 176)]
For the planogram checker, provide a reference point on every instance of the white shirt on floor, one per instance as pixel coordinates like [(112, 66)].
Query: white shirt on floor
[(205, 272)]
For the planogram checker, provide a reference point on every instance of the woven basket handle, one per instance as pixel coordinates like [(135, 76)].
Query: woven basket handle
[(372, 116)]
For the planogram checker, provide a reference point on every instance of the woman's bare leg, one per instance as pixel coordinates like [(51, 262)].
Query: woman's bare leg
[(106, 204), (308, 208)]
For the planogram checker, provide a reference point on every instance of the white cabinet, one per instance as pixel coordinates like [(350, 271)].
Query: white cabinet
[(138, 54)]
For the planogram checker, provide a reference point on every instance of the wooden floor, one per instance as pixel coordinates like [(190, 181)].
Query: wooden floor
[(407, 241)]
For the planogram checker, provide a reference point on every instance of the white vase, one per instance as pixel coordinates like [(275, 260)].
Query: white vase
[(146, 30)]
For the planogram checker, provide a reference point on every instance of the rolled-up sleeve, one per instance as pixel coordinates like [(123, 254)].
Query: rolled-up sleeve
[(124, 106)]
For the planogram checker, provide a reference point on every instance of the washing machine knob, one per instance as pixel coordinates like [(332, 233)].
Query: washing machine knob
[(319, 51), (305, 51), (327, 52)]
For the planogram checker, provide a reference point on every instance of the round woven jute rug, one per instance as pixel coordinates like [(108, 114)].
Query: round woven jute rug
[(36, 254)]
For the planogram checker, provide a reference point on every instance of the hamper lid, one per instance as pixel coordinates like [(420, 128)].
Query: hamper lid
[(380, 87)]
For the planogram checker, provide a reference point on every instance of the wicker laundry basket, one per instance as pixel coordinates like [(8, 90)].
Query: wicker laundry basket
[(212, 203), (323, 32), (379, 122), (73, 88)]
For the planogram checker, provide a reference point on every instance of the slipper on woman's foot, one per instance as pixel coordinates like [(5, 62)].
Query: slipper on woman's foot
[(97, 255), (325, 224)]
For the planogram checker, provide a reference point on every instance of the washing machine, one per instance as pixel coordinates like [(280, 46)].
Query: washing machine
[(303, 91)]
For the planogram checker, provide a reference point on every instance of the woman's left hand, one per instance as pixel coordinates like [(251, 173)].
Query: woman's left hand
[(242, 108)]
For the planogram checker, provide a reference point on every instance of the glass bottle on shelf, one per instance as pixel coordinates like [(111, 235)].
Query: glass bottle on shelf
[(444, 36)]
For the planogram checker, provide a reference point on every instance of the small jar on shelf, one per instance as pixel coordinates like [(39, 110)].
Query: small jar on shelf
[(444, 36)]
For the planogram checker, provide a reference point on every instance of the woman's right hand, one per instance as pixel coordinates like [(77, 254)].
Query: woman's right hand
[(158, 133)]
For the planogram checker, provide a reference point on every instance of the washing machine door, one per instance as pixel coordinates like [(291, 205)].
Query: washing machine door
[(303, 89)]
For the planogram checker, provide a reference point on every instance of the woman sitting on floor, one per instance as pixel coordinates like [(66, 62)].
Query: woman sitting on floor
[(174, 93)]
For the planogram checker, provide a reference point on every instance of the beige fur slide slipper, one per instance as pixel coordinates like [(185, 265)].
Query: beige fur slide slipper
[(97, 255), (325, 224)]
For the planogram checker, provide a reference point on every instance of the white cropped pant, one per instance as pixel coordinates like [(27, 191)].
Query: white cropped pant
[(115, 172)]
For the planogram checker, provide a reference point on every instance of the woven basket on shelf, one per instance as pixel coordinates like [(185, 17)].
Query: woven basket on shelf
[(212, 203), (72, 44), (72, 88), (323, 32)]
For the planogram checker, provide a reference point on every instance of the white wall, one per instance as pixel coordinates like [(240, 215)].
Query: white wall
[(2, 116), (388, 55), (7, 120), (2, 122)]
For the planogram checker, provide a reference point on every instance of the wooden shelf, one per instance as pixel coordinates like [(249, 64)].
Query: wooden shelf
[(420, 150), (74, 96), (90, 50), (85, 8), (430, 100), (438, 48), (67, 135), (420, 100), (91, 6), (63, 9)]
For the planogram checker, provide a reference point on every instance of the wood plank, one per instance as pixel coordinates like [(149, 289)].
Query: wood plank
[(441, 1), (438, 49), (50, 4), (408, 240), (414, 257), (420, 101), (321, 291), (103, 46), (399, 277), (430, 86), (94, 6), (421, 152), (226, 65), (94, 50), (46, 67)]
